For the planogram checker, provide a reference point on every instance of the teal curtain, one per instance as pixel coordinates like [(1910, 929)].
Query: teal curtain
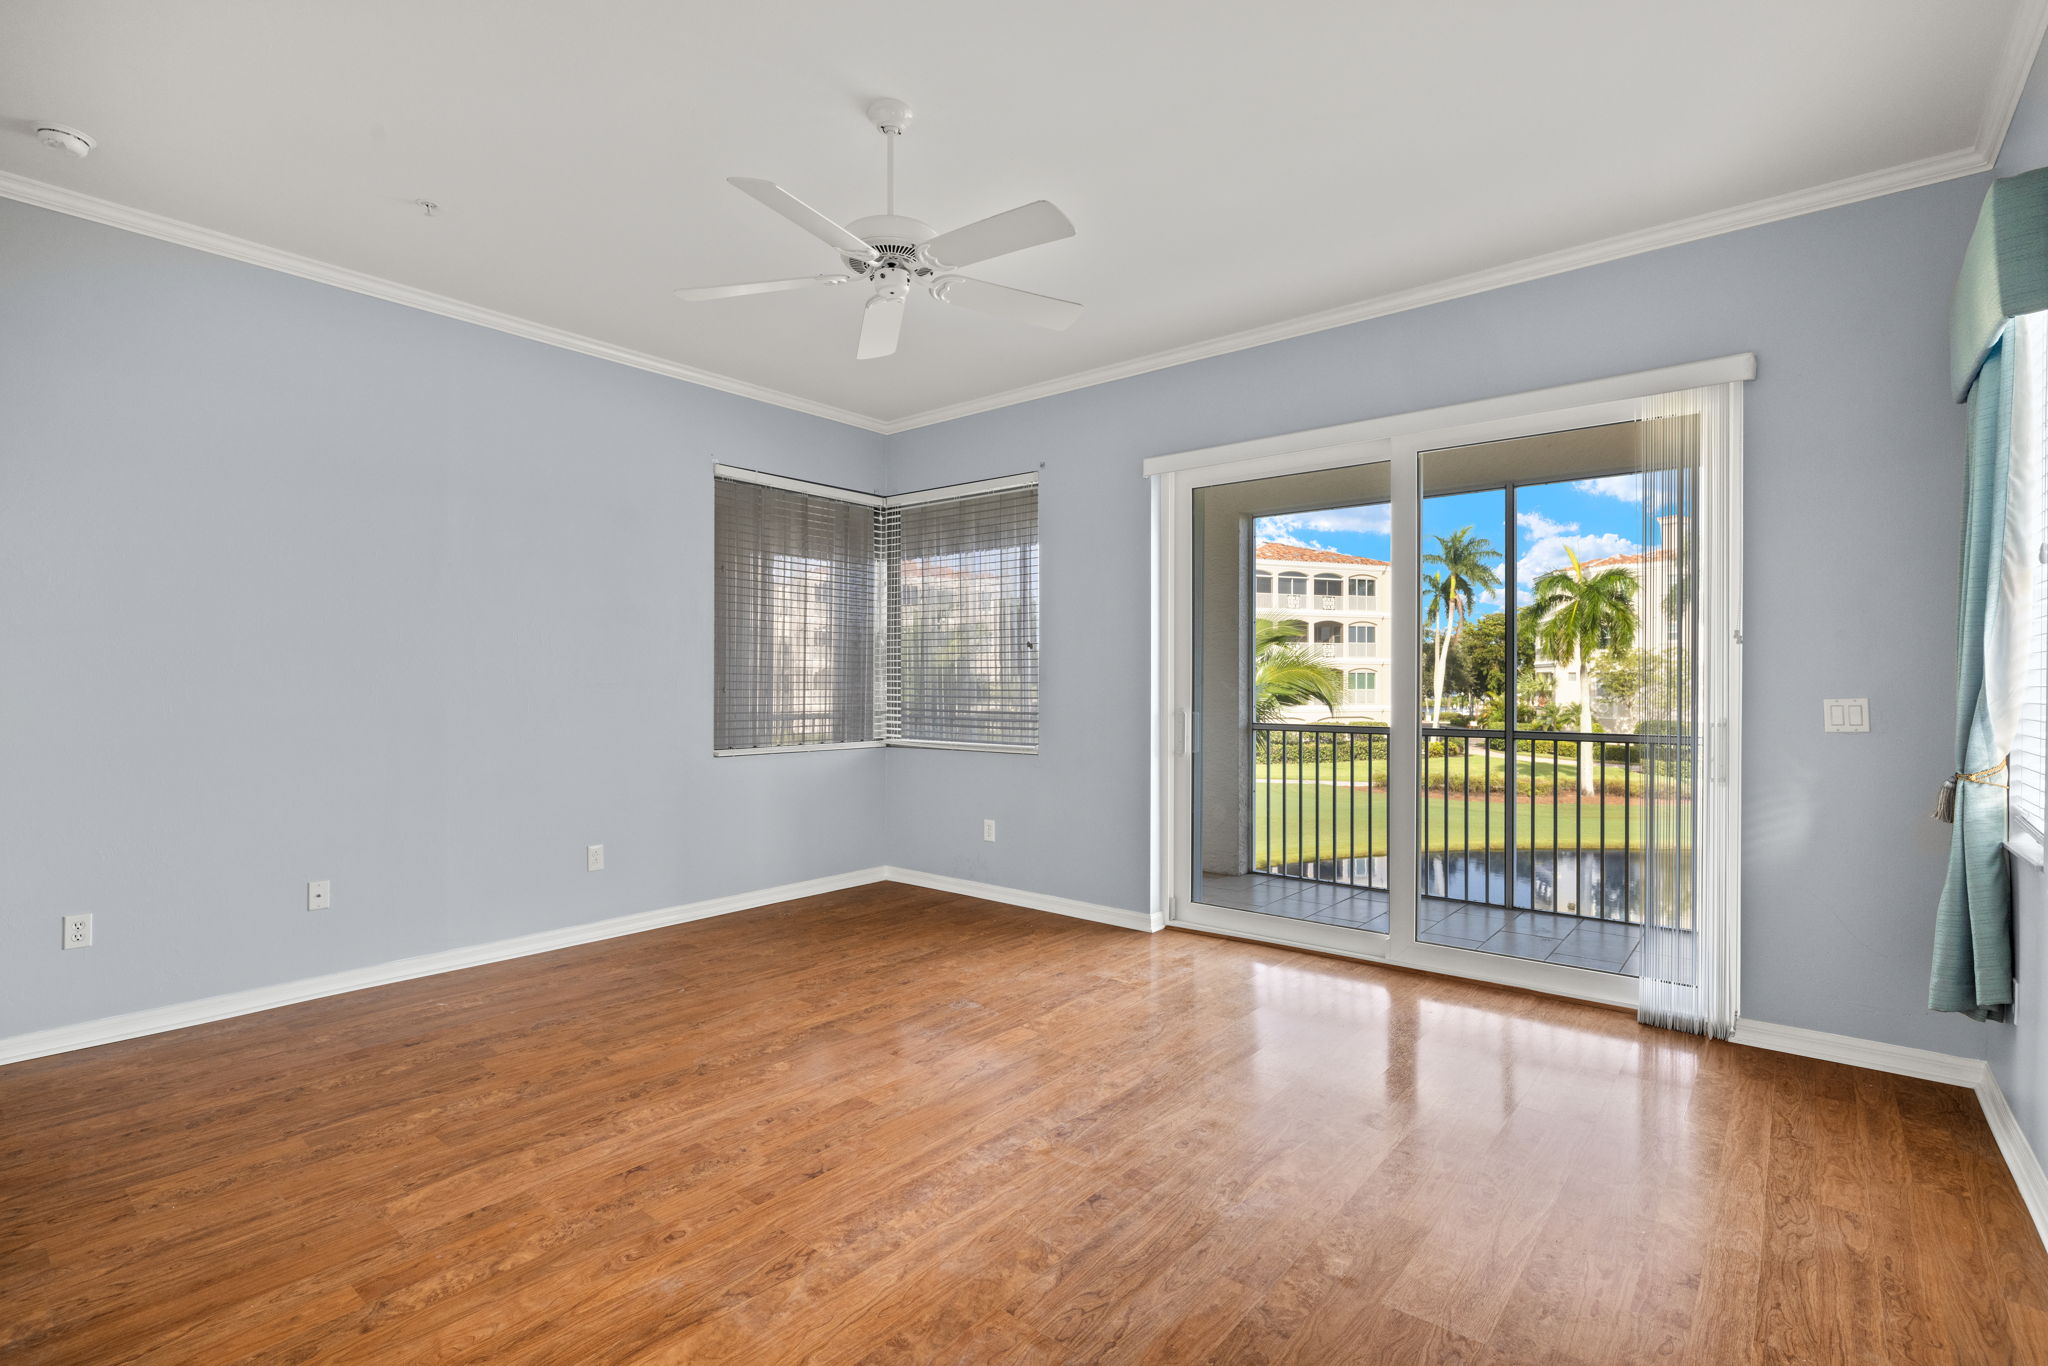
[(2004, 276), (1973, 921), (2005, 273)]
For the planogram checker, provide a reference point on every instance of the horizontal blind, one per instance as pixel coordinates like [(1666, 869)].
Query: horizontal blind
[(795, 621), (2027, 772), (962, 661)]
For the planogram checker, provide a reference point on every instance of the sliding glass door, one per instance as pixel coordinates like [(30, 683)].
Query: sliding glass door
[(1439, 698), (1295, 681)]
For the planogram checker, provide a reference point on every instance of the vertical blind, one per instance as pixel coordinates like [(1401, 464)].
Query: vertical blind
[(962, 652), (849, 622)]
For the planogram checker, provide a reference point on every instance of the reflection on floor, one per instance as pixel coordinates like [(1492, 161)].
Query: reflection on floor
[(1576, 941)]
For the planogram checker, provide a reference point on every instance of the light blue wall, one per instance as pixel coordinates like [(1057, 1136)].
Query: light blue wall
[(1853, 486), (2019, 1050), (300, 584)]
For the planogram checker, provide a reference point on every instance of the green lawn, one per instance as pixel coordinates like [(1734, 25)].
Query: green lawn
[(1353, 822)]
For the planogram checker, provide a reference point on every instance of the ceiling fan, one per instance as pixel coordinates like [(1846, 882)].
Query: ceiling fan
[(894, 253)]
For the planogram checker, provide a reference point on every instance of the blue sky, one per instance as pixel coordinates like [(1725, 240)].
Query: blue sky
[(1593, 517)]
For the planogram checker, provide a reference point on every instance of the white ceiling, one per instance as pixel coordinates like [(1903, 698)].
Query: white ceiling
[(1230, 168)]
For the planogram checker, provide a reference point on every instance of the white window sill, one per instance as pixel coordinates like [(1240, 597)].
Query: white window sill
[(874, 744), (2026, 848)]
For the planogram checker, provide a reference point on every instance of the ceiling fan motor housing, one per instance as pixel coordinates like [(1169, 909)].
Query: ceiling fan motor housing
[(897, 241)]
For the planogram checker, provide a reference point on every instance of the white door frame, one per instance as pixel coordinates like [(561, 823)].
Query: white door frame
[(1397, 441)]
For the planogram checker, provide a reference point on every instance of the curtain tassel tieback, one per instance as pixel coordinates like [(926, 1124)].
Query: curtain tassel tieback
[(1945, 800)]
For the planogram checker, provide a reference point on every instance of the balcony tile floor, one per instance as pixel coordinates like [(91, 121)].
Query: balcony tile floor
[(1603, 945)]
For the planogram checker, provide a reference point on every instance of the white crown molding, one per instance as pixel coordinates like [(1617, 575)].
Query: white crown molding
[(46, 196), (2002, 96), (1910, 176)]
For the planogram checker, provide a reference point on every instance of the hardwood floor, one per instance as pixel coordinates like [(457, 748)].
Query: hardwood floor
[(891, 1125)]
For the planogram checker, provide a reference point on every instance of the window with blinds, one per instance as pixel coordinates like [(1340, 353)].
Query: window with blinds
[(795, 619), (962, 661), (843, 618), (2027, 772)]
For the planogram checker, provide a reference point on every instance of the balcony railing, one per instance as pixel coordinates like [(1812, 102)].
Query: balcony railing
[(1590, 825), (1348, 649), (1342, 604)]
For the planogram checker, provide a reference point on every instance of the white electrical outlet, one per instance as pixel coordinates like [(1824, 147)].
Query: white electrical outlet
[(593, 856), (77, 931), (1844, 714), (988, 831), (318, 896)]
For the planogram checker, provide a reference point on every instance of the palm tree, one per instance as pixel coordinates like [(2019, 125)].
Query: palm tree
[(1576, 614), (1284, 674), (1465, 564)]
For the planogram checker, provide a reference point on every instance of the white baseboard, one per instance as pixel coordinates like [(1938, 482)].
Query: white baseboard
[(114, 1028), (1036, 901), (2020, 1157), (1878, 1057)]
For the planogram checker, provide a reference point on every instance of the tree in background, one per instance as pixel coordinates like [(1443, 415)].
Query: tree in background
[(1464, 565), (1478, 666), (1578, 614), (1286, 674)]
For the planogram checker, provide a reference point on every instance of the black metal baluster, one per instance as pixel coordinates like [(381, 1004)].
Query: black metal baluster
[(1601, 796), (1627, 844), (1557, 820)]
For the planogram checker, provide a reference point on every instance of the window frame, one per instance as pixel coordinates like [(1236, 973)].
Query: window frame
[(884, 620), (2026, 808)]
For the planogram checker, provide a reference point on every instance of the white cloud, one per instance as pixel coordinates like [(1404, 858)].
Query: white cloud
[(1627, 488), (1375, 521), (1539, 526), (1548, 553)]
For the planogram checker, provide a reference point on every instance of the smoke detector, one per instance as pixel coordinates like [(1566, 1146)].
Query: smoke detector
[(61, 139)]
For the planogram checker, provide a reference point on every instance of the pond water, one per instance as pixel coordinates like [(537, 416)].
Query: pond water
[(1571, 882)]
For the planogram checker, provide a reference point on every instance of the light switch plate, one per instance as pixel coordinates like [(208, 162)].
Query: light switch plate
[(1845, 714)]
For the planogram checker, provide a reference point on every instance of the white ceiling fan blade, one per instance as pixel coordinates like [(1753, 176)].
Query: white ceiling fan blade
[(804, 216), (1028, 226), (757, 287), (880, 325), (1001, 301)]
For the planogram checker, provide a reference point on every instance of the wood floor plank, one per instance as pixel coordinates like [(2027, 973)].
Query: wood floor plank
[(892, 1125)]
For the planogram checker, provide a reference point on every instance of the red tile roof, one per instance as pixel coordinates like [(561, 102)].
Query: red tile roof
[(1274, 550), (1657, 554)]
